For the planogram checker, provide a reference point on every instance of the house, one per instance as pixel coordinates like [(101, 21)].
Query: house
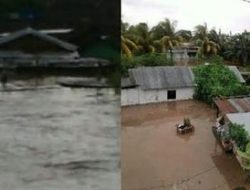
[(169, 83), (184, 54), (30, 47), (157, 84)]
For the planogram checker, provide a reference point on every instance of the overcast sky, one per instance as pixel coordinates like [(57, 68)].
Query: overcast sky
[(229, 15)]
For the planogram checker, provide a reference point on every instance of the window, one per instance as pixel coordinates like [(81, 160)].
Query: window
[(171, 94)]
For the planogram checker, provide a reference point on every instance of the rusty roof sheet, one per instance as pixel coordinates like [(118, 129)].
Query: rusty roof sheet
[(233, 105), (225, 106)]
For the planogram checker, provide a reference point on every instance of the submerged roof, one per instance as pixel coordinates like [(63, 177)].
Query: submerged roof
[(162, 77), (41, 35), (237, 73), (233, 105), (240, 118)]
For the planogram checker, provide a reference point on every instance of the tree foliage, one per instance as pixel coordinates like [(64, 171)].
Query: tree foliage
[(128, 46), (164, 37), (160, 38), (215, 80), (206, 40), (143, 60), (239, 134), (141, 35)]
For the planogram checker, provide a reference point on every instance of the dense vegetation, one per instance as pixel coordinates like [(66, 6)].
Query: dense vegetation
[(140, 39), (143, 60), (215, 80), (239, 134)]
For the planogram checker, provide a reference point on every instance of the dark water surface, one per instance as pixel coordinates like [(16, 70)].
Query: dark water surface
[(59, 138)]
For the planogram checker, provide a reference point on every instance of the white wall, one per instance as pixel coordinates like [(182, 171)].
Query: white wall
[(133, 96), (129, 96), (184, 93)]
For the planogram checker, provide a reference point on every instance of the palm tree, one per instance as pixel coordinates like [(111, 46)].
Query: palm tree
[(218, 37), (128, 46), (164, 28), (201, 32), (168, 43), (207, 46), (245, 46), (165, 34), (236, 48), (185, 34), (241, 47), (141, 35)]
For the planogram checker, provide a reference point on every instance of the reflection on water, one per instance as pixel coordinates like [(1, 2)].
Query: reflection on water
[(59, 138)]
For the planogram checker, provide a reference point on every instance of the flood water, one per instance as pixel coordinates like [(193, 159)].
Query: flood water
[(155, 157), (59, 138)]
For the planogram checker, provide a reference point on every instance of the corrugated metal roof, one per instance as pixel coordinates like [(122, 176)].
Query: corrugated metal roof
[(225, 106), (30, 31), (233, 105), (240, 118), (237, 73), (163, 77)]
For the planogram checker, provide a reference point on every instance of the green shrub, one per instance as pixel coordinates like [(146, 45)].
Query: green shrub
[(216, 80), (239, 135)]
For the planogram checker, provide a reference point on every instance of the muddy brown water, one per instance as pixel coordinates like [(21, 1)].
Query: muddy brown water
[(155, 157), (59, 138)]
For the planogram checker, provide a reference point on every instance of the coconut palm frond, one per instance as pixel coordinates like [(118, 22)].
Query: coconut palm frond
[(208, 48), (128, 46), (152, 49), (131, 44), (126, 50)]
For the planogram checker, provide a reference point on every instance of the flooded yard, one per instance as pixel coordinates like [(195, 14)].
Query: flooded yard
[(59, 139), (154, 157)]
